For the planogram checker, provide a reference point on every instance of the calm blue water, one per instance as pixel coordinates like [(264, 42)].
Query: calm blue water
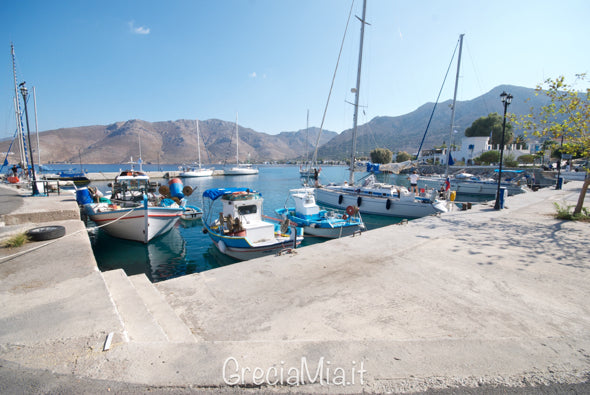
[(186, 249)]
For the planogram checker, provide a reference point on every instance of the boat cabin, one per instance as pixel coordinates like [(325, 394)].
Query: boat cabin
[(305, 205), (242, 216)]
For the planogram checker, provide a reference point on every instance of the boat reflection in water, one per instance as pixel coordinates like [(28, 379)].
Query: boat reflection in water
[(163, 258)]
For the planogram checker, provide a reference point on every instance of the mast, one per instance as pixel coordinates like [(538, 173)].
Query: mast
[(19, 129), (198, 144), (237, 143), (453, 105), (37, 127), (356, 95), (140, 161)]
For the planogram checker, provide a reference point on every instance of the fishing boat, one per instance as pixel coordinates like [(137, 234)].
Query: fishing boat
[(240, 169), (373, 197), (239, 231), (191, 213), (197, 171), (317, 222), (135, 210)]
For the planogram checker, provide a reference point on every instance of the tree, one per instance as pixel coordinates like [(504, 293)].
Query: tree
[(483, 126), (402, 156), (526, 158), (520, 141), (567, 116), (381, 155), (488, 157)]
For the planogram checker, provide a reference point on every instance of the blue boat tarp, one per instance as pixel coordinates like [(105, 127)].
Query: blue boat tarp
[(509, 171), (216, 193)]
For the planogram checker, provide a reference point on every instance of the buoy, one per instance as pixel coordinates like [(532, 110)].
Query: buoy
[(221, 246), (176, 186)]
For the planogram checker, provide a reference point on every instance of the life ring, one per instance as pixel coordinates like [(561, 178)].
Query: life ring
[(359, 201), (340, 198), (388, 204), (344, 216), (187, 190), (350, 210)]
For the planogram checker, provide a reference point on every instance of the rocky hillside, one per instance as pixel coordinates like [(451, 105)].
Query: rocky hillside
[(176, 141), (172, 142)]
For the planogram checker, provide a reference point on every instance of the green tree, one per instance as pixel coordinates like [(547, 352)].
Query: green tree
[(526, 158), (381, 155), (567, 116), (402, 156), (488, 157), (520, 141), (482, 127)]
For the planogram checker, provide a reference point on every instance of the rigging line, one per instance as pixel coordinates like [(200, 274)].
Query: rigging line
[(437, 99), (315, 154), (479, 85)]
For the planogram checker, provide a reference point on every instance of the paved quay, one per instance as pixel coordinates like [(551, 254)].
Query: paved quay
[(470, 300)]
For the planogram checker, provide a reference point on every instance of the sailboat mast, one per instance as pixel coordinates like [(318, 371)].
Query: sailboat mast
[(37, 127), (237, 143), (357, 92), (198, 144), (19, 129), (453, 105)]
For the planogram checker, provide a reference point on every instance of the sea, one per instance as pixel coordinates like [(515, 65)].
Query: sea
[(186, 249)]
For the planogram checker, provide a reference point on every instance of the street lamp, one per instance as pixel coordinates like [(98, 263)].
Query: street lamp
[(24, 92), (506, 99)]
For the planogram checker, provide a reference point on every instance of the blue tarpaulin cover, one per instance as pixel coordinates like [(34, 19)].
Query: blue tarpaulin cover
[(215, 193)]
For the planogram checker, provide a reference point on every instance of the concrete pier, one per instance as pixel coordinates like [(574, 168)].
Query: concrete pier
[(481, 300)]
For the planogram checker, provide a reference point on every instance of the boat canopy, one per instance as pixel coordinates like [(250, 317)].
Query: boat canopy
[(216, 193)]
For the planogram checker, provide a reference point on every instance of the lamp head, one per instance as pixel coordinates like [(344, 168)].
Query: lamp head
[(503, 96)]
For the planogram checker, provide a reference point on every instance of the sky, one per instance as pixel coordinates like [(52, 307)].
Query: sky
[(271, 61)]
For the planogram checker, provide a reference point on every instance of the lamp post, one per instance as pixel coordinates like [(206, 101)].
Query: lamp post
[(24, 92), (506, 99)]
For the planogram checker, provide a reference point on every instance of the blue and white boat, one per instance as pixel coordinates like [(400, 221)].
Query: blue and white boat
[(321, 223), (239, 231)]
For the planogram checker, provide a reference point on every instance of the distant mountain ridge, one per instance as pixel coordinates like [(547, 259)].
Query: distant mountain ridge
[(176, 141)]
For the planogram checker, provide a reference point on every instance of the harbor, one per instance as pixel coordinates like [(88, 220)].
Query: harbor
[(475, 300)]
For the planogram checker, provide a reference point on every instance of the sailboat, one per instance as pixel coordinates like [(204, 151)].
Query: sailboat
[(373, 197), (308, 169), (197, 172), (243, 169)]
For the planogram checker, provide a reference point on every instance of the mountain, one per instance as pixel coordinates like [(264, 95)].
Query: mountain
[(175, 141), (172, 142), (405, 132)]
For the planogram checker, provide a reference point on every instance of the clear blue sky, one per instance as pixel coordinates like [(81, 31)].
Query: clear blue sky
[(99, 62)]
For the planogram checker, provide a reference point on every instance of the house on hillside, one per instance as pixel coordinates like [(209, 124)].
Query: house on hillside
[(471, 148)]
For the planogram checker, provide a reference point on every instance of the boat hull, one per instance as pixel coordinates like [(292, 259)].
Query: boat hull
[(138, 224), (240, 172), (242, 249), (330, 228), (406, 207), (196, 173)]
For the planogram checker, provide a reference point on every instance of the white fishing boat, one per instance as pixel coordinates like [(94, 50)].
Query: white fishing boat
[(373, 197), (239, 231), (135, 210), (240, 169), (197, 171), (317, 222)]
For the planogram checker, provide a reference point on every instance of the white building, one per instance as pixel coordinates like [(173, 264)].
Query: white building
[(471, 148)]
